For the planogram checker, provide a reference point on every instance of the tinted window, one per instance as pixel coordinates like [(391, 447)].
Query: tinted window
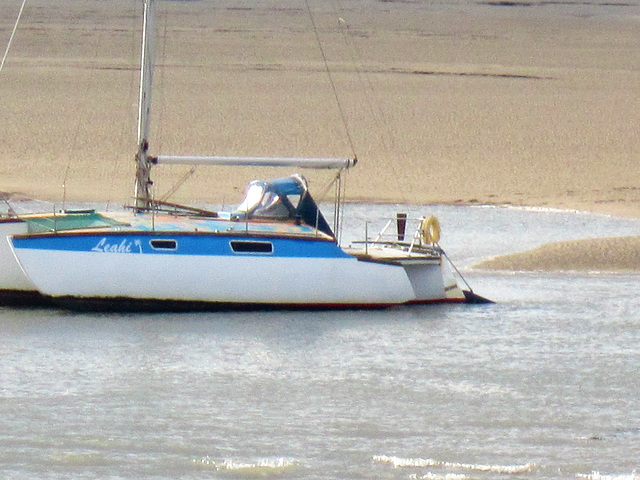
[(251, 247), (164, 244)]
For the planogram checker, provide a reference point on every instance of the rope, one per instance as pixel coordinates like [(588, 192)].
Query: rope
[(455, 268), (15, 27)]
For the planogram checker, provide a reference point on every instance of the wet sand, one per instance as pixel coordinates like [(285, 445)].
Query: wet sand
[(478, 103), (619, 254)]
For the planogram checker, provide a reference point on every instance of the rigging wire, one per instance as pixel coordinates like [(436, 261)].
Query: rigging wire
[(13, 33), (337, 206), (126, 126), (331, 82), (372, 99), (161, 81), (5, 198), (339, 199), (323, 193), (178, 184), (162, 87), (84, 119), (340, 191), (341, 195), (355, 57)]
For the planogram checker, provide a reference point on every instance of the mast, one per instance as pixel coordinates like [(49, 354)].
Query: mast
[(144, 162), (143, 165)]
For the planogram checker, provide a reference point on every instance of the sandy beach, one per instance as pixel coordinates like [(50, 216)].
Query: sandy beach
[(530, 103)]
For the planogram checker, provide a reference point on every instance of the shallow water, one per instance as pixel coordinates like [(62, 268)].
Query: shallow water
[(543, 384)]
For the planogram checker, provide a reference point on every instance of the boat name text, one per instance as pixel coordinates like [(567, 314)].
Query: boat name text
[(125, 246)]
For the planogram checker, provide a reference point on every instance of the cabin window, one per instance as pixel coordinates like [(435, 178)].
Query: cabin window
[(164, 244), (243, 246)]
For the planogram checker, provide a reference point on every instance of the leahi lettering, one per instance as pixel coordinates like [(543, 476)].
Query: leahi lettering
[(123, 247)]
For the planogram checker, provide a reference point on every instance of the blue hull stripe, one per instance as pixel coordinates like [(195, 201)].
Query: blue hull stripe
[(163, 243)]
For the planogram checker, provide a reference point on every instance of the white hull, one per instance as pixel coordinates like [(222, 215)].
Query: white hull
[(234, 280)]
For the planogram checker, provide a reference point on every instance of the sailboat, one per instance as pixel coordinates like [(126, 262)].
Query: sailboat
[(274, 250)]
